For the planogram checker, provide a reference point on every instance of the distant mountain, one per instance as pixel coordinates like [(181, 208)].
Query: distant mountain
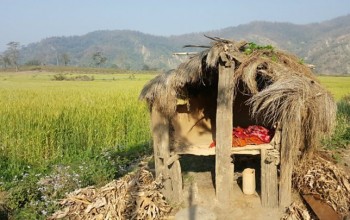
[(123, 49), (326, 45)]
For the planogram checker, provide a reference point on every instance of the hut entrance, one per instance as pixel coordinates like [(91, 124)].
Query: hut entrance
[(194, 122)]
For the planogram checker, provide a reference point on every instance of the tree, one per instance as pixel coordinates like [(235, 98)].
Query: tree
[(5, 60), (99, 59), (65, 58), (146, 67), (33, 62), (2, 64), (12, 53)]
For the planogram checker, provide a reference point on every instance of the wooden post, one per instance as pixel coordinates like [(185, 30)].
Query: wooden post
[(160, 137), (176, 181), (269, 184), (223, 161), (166, 166), (286, 170)]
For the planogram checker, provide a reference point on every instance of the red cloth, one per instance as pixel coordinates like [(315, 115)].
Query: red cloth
[(254, 134)]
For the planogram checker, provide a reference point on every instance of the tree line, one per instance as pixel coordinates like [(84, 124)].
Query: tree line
[(10, 58), (11, 55)]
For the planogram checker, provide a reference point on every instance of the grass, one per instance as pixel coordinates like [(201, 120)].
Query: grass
[(72, 133), (341, 136), (56, 136), (339, 86), (44, 120)]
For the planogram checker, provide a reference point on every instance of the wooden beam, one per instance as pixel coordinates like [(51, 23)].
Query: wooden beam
[(205, 150), (158, 127), (184, 53), (223, 161), (165, 165), (286, 170), (176, 182), (269, 182), (160, 132), (322, 210)]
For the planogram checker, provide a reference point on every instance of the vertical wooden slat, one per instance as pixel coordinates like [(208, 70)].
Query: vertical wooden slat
[(223, 160), (276, 141), (269, 184), (286, 169), (264, 196), (160, 131), (176, 181), (171, 173), (285, 190)]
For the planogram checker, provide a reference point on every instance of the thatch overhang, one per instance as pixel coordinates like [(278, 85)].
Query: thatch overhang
[(281, 89)]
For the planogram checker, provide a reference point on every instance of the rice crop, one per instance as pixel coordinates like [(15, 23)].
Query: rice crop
[(339, 86), (43, 121)]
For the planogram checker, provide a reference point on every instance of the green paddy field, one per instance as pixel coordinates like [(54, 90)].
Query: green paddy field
[(44, 120)]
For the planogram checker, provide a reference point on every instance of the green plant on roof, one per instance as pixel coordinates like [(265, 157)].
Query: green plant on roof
[(251, 47)]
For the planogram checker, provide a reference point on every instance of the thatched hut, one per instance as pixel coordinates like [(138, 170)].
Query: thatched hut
[(237, 84)]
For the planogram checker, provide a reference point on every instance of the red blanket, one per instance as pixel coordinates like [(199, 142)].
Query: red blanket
[(254, 134)]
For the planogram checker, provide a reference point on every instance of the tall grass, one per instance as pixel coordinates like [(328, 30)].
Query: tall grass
[(341, 136), (42, 121), (339, 86), (46, 121)]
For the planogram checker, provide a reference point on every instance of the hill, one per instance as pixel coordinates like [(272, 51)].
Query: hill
[(324, 44), (122, 48)]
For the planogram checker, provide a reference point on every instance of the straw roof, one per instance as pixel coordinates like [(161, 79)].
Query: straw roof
[(282, 89)]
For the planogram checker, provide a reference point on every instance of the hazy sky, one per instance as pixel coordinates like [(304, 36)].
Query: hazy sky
[(29, 21)]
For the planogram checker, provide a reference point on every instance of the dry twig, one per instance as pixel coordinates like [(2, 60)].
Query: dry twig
[(324, 180), (135, 196)]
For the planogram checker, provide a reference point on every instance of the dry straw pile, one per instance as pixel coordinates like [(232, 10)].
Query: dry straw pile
[(135, 196), (296, 211), (323, 179)]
